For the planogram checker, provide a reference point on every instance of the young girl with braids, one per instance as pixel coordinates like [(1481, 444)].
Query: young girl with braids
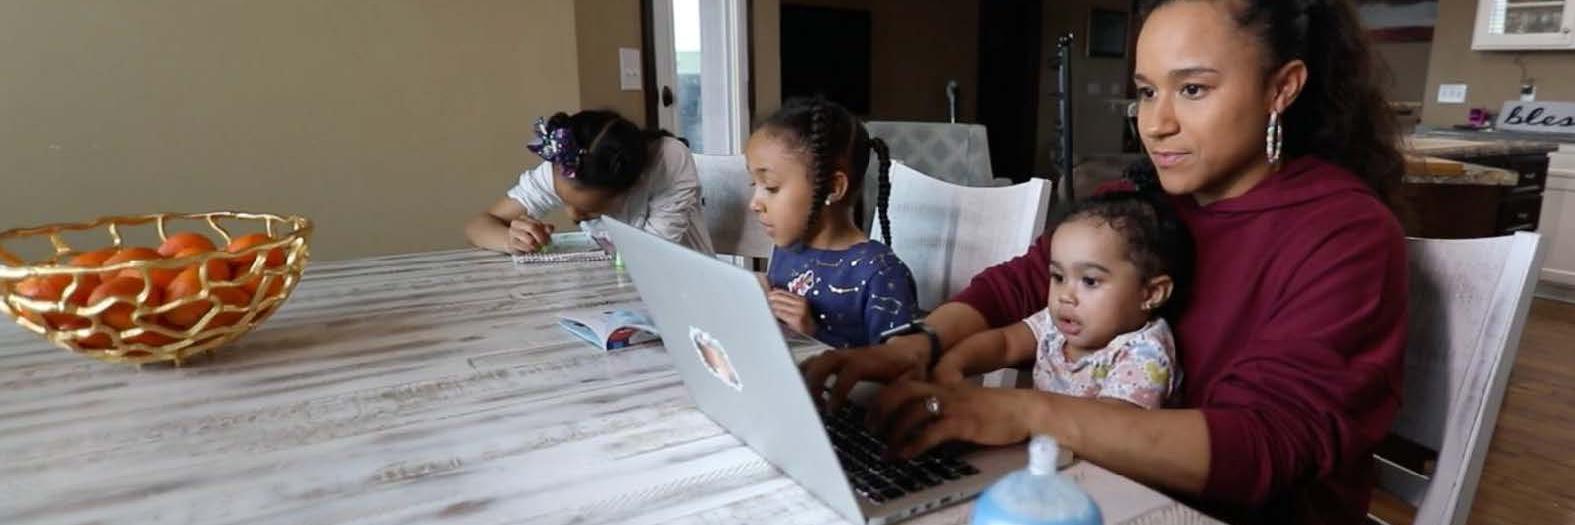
[(1119, 266), (827, 279)]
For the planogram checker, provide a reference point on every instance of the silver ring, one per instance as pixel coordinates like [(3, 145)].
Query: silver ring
[(932, 405)]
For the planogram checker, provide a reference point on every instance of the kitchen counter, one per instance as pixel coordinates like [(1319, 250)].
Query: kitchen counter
[(1467, 184), (1433, 170), (1462, 144)]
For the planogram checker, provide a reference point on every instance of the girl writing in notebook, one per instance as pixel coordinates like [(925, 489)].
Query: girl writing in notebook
[(1119, 263), (597, 163), (826, 277)]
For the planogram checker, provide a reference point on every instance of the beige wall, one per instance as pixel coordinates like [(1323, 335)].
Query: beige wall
[(916, 48), (1407, 62), (1097, 122), (387, 121), (766, 54), (602, 27), (1493, 77)]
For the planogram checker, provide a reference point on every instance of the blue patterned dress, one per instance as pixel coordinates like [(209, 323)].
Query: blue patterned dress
[(854, 294)]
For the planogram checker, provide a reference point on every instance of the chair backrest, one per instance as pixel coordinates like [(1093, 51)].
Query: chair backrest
[(724, 188), (1468, 305), (947, 233), (955, 153)]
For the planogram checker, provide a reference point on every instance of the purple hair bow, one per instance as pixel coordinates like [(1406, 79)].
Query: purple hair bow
[(556, 145)]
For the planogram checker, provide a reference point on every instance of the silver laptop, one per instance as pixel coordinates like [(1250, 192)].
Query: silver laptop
[(735, 361)]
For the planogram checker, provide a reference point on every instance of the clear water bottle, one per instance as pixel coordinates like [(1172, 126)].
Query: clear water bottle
[(1036, 495)]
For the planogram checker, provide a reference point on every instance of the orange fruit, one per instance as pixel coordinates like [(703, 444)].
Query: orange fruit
[(161, 276), (119, 316), (186, 285), (243, 264), (127, 289), (101, 341), (275, 286), (95, 258), (229, 296), (51, 289), (150, 339), (38, 288), (185, 241), (135, 253), (218, 269), (96, 341)]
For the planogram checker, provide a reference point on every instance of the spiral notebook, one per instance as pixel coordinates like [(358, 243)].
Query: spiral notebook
[(569, 247)]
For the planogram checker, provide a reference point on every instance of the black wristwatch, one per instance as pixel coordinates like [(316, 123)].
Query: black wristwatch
[(915, 327)]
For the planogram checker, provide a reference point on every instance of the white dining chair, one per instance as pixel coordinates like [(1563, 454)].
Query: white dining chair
[(725, 195), (947, 233), (954, 152), (1468, 305)]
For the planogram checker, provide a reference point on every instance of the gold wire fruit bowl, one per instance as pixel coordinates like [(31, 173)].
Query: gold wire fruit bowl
[(136, 304)]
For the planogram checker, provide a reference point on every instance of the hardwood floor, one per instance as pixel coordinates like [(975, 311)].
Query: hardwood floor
[(1529, 475)]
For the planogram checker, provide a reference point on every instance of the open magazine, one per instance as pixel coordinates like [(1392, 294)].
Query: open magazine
[(610, 329)]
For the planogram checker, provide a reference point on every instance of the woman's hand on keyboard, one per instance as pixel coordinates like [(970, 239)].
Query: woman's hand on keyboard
[(901, 357), (903, 418)]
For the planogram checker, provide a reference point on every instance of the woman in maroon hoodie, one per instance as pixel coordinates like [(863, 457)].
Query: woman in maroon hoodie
[(1266, 125)]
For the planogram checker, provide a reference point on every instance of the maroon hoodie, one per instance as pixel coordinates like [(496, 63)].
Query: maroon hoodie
[(1291, 344)]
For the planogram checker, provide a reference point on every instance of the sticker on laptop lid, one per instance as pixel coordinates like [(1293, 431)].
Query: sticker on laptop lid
[(715, 358)]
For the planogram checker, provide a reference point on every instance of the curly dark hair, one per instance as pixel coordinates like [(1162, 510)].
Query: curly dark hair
[(1341, 115), (831, 138), (616, 150), (1158, 243)]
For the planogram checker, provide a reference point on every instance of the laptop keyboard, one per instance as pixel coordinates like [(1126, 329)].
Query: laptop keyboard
[(878, 479)]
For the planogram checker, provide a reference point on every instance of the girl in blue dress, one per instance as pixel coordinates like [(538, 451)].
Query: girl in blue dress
[(827, 279)]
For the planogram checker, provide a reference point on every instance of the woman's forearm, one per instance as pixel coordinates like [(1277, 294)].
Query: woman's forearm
[(952, 323)]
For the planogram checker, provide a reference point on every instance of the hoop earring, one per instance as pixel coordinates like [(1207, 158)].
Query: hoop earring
[(1274, 139)]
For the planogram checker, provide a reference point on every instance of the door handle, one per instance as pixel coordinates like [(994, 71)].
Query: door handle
[(667, 96)]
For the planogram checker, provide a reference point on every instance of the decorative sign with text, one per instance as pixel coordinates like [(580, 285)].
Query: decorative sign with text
[(1538, 117)]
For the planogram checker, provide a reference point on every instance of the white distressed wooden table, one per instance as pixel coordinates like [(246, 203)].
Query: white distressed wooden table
[(430, 388)]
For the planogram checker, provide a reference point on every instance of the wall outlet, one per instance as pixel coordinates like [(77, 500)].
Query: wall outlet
[(629, 67), (1528, 92), (1451, 93)]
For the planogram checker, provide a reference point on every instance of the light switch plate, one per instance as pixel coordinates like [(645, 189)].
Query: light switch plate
[(629, 67), (1451, 93)]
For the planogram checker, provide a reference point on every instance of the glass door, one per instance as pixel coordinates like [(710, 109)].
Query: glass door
[(701, 73)]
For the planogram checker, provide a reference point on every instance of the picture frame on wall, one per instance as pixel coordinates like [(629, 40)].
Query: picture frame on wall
[(1107, 33)]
